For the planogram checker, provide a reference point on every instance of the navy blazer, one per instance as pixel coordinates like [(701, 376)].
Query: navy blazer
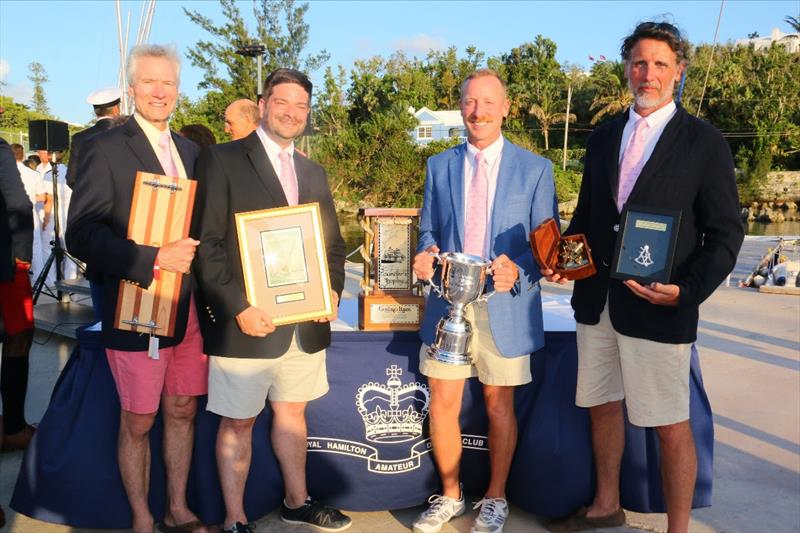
[(97, 225), (525, 196), (690, 170), (236, 177), (16, 215)]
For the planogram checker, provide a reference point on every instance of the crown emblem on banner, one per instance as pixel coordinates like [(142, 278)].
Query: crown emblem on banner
[(393, 412)]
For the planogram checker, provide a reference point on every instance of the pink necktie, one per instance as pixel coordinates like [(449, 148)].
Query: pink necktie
[(477, 199), (632, 163), (165, 156), (288, 178)]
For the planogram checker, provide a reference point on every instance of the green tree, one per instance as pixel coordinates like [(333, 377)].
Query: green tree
[(753, 96), (280, 27), (611, 93), (794, 22), (549, 111), (38, 77)]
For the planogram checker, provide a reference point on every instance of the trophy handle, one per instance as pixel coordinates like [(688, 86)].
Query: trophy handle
[(429, 282), (485, 297)]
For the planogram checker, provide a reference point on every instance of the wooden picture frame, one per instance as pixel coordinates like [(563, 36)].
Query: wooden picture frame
[(285, 264)]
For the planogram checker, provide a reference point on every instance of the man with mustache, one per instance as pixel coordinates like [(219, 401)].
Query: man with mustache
[(482, 198), (634, 340), (251, 360)]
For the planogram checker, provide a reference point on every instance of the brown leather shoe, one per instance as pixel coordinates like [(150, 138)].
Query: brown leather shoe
[(578, 521), (19, 440)]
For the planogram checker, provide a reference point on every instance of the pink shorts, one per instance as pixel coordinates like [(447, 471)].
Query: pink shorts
[(181, 370)]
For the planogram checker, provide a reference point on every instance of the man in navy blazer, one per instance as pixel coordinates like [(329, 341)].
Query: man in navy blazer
[(97, 233), (483, 197), (634, 340)]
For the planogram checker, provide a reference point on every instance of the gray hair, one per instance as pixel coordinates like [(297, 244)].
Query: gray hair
[(168, 52)]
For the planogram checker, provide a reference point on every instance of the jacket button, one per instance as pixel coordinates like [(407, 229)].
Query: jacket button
[(616, 228)]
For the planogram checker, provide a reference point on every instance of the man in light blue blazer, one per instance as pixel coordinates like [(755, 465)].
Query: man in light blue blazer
[(483, 198)]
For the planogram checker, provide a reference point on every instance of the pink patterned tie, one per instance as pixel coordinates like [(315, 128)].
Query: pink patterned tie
[(632, 163), (288, 178), (477, 199), (165, 157)]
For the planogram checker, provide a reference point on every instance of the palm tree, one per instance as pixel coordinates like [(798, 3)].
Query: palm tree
[(612, 94), (547, 112), (794, 22)]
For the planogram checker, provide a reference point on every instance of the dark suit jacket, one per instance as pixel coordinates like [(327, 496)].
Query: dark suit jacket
[(76, 146), (16, 215), (236, 177), (690, 170), (97, 226)]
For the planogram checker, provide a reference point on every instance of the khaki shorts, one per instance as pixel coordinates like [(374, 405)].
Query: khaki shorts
[(489, 365), (652, 377), (239, 387)]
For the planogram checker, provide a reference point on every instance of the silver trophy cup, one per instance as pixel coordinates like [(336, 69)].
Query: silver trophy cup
[(463, 281)]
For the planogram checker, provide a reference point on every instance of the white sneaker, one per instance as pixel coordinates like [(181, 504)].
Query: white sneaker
[(492, 516), (440, 512)]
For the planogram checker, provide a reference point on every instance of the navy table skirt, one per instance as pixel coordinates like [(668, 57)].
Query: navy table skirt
[(368, 443)]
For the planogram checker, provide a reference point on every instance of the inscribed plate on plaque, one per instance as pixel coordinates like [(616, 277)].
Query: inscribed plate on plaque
[(646, 244), (394, 253), (394, 313)]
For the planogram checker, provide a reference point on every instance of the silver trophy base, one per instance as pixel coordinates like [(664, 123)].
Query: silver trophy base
[(451, 345)]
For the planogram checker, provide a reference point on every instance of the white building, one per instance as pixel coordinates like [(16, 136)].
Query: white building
[(790, 40), (436, 125)]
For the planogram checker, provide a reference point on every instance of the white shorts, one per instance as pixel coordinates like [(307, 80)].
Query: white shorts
[(652, 377), (238, 387)]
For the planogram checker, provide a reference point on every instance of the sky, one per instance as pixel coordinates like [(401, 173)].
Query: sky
[(77, 43)]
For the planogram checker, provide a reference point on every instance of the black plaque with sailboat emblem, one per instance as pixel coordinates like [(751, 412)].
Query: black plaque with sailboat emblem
[(646, 244)]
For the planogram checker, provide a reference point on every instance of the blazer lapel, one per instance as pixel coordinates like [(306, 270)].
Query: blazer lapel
[(263, 168), (507, 183), (663, 149), (142, 148), (612, 168), (302, 171), (185, 154), (455, 171)]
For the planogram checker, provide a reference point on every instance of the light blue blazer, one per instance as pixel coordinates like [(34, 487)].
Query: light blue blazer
[(524, 197)]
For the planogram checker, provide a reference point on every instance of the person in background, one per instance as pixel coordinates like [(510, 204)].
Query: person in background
[(16, 302), (199, 134), (105, 103), (37, 193), (241, 118)]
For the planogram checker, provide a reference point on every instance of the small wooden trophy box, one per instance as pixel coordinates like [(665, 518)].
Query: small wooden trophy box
[(547, 245), (390, 299), (161, 212)]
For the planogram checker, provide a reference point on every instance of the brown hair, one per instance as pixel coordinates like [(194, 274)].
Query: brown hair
[(660, 31)]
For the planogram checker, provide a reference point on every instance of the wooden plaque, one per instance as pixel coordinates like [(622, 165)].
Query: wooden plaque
[(161, 212)]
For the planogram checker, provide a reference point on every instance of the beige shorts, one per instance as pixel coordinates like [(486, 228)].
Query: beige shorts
[(652, 377), (488, 364), (239, 387)]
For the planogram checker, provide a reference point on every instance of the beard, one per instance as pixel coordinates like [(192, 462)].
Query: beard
[(645, 101)]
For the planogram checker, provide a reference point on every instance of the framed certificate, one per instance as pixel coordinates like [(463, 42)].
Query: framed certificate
[(284, 263), (646, 244)]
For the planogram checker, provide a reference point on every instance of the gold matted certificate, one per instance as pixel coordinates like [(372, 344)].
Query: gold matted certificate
[(284, 263)]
